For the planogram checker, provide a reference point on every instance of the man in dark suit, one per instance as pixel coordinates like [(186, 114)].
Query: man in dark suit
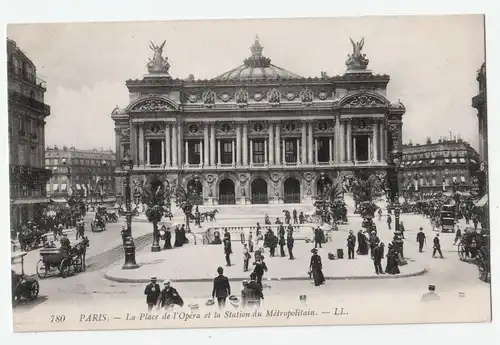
[(221, 289), (152, 293), (378, 255), (351, 243), (289, 244), (421, 240), (437, 247)]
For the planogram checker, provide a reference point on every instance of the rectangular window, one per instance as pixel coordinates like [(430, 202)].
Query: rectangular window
[(258, 152), (290, 151), (227, 152)]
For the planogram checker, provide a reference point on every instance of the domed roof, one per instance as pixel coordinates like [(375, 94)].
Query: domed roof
[(257, 67)]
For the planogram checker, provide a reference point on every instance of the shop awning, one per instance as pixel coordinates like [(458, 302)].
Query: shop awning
[(432, 161), (462, 160), (454, 160), (25, 201), (446, 160), (481, 202), (473, 161), (462, 178)]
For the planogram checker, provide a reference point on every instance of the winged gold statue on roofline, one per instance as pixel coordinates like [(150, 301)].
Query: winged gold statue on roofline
[(358, 60)]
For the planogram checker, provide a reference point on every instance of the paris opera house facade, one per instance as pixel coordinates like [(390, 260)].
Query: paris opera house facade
[(258, 133)]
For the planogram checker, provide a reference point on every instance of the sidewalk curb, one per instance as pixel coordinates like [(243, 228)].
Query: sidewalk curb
[(202, 280)]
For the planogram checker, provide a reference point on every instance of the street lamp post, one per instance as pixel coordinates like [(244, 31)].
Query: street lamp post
[(129, 246), (68, 174)]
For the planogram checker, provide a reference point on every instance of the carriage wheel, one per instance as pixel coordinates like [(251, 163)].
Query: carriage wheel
[(34, 290), (462, 254), (78, 264), (41, 269), (65, 267)]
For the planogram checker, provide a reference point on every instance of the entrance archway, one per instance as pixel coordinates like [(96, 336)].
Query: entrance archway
[(292, 190), (195, 191), (323, 181), (226, 192), (259, 191)]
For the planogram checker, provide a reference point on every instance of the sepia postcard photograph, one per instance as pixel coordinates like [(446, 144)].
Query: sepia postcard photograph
[(241, 173)]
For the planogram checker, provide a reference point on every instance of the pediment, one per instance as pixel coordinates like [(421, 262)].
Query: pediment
[(363, 100), (153, 104)]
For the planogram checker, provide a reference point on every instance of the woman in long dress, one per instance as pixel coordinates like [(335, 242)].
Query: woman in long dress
[(316, 268), (362, 244)]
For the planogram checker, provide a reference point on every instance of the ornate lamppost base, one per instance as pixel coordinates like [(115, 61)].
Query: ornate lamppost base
[(156, 248), (130, 266)]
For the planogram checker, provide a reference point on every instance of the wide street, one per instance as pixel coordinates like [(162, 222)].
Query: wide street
[(450, 275)]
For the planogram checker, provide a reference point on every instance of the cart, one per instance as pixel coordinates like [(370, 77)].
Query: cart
[(24, 288), (58, 259)]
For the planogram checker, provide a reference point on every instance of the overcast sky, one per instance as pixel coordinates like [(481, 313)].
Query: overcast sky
[(432, 62)]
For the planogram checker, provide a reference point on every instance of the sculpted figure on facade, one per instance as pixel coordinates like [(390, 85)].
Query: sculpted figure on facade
[(274, 97), (241, 98), (153, 105), (208, 98), (306, 96), (158, 64), (357, 61), (124, 134)]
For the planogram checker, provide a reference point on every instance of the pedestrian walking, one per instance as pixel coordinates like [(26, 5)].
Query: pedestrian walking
[(227, 251), (152, 293), (289, 244), (246, 258), (250, 242), (402, 230), (294, 213), (458, 236), (374, 241), (389, 221), (169, 297), (282, 243), (259, 269), (351, 244), (437, 247), (317, 237), (316, 268), (378, 255), (421, 239), (221, 289)]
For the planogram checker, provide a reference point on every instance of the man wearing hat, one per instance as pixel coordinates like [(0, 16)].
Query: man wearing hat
[(431, 295), (152, 293), (374, 241), (169, 296), (351, 243), (377, 256), (221, 289), (421, 239), (437, 247)]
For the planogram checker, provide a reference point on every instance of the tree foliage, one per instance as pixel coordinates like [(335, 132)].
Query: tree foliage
[(368, 188)]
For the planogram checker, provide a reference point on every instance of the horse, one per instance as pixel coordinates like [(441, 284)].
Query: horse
[(211, 215), (80, 249)]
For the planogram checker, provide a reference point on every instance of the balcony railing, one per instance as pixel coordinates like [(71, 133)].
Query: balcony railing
[(19, 98)]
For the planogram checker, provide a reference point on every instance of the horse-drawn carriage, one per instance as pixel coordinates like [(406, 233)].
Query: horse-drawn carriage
[(111, 217), (447, 217), (98, 223), (31, 238), (62, 259), (475, 246), (23, 287)]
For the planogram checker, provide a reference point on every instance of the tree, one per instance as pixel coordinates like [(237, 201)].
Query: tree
[(183, 201), (154, 198), (366, 190), (335, 197)]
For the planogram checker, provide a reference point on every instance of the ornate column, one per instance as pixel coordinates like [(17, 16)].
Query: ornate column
[(381, 142), (298, 151), (266, 162), (238, 144), (180, 138), (162, 153), (375, 141), (349, 140), (174, 145), (141, 145), (245, 144), (354, 149), (205, 144), (148, 152), (218, 153), (186, 151), (303, 154), (251, 152), (342, 142), (310, 144), (212, 145), (133, 143), (385, 143), (271, 143), (202, 153), (233, 151), (330, 149), (168, 144), (369, 149), (117, 145), (316, 150), (336, 133), (283, 157), (278, 141)]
